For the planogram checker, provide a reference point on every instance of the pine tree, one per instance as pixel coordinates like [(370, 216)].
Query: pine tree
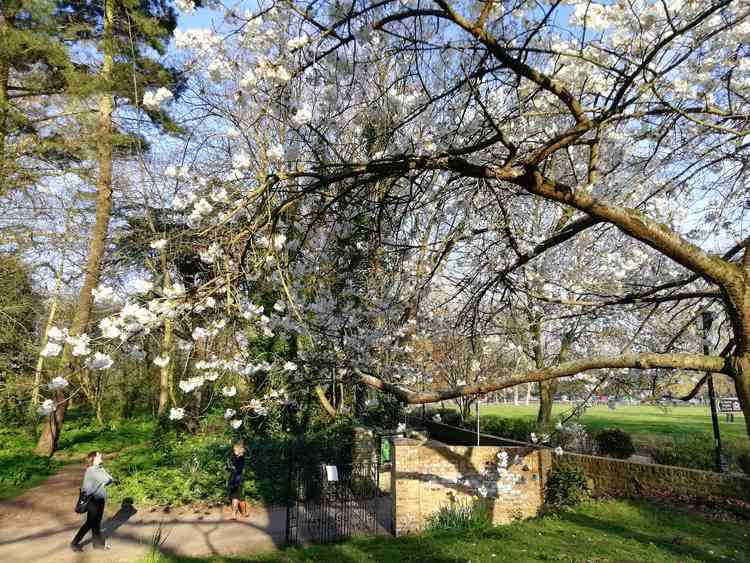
[(124, 32), (34, 69)]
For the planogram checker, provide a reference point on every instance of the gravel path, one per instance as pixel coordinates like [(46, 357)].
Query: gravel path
[(39, 524)]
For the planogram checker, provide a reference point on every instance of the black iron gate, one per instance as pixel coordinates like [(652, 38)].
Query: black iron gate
[(332, 502)]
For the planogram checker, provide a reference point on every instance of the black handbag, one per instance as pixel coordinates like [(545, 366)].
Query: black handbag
[(82, 504)]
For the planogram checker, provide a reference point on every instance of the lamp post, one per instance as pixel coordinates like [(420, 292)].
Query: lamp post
[(720, 463), (478, 442)]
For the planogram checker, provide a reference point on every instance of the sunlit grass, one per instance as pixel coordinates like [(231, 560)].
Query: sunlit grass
[(601, 532)]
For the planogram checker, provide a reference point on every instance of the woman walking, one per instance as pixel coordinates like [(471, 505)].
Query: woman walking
[(95, 482), (236, 479)]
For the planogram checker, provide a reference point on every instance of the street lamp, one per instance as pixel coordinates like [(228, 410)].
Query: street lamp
[(720, 463)]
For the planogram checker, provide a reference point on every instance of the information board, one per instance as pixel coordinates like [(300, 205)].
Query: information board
[(731, 404)]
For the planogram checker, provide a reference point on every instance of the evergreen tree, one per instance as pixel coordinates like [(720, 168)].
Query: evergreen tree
[(34, 69), (126, 33)]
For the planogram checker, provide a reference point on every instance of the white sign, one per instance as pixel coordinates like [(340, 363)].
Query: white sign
[(332, 473), (730, 404)]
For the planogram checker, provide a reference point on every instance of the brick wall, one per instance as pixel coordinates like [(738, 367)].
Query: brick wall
[(625, 478), (428, 475)]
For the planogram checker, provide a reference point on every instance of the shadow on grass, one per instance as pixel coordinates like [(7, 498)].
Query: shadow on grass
[(671, 529), (358, 550)]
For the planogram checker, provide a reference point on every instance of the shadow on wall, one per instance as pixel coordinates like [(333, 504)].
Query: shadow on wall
[(429, 475)]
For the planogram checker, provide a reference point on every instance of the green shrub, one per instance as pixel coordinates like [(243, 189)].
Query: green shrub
[(696, 452), (387, 412), (518, 429), (467, 516), (614, 443), (20, 468), (566, 487), (572, 436), (743, 460), (178, 468)]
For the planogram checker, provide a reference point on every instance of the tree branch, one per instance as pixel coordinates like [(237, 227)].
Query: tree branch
[(696, 362)]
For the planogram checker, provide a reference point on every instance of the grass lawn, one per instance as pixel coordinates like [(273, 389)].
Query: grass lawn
[(601, 532), (643, 423)]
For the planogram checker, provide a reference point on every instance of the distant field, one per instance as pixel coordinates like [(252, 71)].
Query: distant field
[(642, 422)]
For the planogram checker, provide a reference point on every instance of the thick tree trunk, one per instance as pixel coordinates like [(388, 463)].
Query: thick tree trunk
[(742, 386), (546, 393), (547, 389), (49, 439), (40, 359)]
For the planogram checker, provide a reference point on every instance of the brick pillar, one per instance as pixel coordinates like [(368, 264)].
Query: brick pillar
[(405, 489)]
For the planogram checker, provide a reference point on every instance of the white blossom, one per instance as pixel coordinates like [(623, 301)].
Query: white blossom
[(176, 413), (55, 334), (46, 407), (80, 344), (161, 361), (229, 413), (99, 361), (57, 383), (229, 391), (186, 6), (104, 295), (143, 286), (153, 99), (236, 423), (51, 349)]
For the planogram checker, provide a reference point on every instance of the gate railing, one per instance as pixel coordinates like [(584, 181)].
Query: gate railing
[(332, 502)]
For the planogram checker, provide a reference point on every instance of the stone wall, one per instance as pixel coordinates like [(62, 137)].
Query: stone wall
[(616, 477), (428, 475)]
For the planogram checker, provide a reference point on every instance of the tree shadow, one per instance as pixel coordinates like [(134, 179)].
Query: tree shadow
[(665, 539), (123, 514)]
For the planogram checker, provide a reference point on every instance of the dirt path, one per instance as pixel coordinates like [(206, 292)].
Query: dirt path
[(39, 524)]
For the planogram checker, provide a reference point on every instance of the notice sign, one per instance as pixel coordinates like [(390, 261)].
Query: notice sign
[(332, 473), (731, 404)]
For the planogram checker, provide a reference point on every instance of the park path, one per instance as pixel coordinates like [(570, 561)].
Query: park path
[(38, 525)]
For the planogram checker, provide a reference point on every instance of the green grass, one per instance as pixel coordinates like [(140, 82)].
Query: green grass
[(601, 532), (643, 423), (21, 469), (80, 437)]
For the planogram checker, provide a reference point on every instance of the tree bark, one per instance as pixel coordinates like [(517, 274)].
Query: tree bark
[(165, 373), (4, 102), (49, 439), (547, 389), (544, 414), (742, 386), (40, 359), (696, 362)]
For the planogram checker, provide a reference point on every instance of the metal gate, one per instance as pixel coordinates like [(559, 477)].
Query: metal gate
[(332, 502)]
